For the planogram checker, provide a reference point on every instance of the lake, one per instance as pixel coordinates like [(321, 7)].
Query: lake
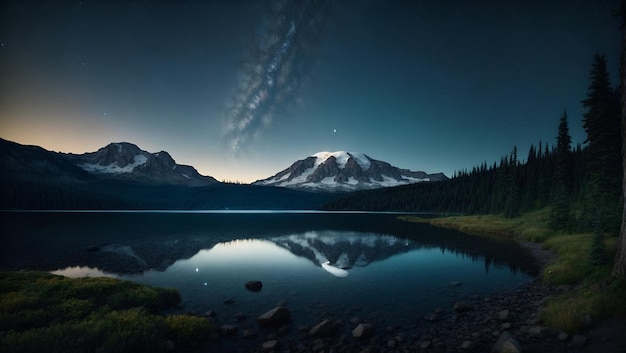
[(319, 265)]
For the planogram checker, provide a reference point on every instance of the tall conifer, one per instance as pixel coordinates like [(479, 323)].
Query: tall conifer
[(560, 214), (602, 123)]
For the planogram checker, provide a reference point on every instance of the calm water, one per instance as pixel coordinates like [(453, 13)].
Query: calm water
[(380, 269)]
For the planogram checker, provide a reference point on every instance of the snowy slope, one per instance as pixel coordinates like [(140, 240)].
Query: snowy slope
[(344, 171), (127, 161)]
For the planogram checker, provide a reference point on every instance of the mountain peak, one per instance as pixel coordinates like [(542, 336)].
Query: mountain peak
[(344, 171), (127, 161), (342, 158)]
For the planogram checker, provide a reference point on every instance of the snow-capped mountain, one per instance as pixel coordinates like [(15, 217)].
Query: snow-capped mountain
[(344, 171), (344, 250), (127, 161)]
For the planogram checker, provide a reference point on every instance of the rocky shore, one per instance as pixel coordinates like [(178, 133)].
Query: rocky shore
[(510, 320), (502, 322)]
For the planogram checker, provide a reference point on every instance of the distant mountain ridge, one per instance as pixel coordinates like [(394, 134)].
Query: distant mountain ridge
[(127, 161), (122, 176), (344, 171)]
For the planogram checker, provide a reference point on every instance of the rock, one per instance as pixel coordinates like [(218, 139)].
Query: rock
[(210, 313), (229, 330), (270, 345), (511, 346), (425, 345), (325, 328), (249, 333), (461, 307), (356, 320), (229, 301), (534, 320), (274, 317), (538, 331), (563, 336), (369, 349), (254, 286), (579, 341), (454, 283), (319, 345), (500, 342), (363, 331), (391, 343), (432, 318), (504, 315), (170, 346), (468, 345)]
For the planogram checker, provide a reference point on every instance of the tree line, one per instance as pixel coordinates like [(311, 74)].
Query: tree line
[(581, 184)]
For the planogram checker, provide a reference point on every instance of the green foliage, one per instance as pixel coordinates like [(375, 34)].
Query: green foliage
[(188, 328), (599, 300), (41, 312), (597, 253)]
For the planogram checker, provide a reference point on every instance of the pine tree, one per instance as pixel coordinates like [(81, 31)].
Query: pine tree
[(604, 143), (512, 203), (619, 267), (560, 214)]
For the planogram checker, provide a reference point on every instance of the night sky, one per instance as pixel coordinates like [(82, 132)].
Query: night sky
[(241, 89)]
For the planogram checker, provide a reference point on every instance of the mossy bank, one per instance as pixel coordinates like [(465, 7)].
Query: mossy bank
[(41, 312), (580, 266)]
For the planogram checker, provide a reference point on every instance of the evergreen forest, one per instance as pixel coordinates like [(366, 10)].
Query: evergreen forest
[(580, 184)]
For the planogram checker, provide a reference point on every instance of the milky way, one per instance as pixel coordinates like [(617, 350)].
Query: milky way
[(279, 68)]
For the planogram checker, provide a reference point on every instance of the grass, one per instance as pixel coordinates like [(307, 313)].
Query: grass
[(41, 312), (593, 295), (530, 226)]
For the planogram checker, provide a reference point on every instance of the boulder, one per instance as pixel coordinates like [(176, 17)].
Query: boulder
[(454, 283), (539, 331), (274, 317), (468, 345), (249, 333), (254, 286), (511, 346), (324, 329), (363, 331), (461, 307), (504, 315), (270, 345), (500, 342)]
